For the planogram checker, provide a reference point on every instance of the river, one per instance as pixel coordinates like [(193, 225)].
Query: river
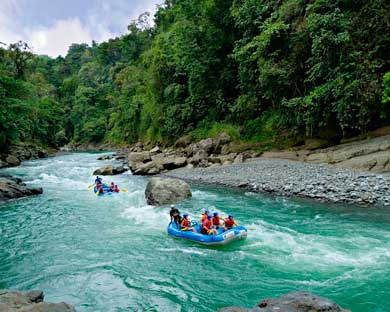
[(112, 253)]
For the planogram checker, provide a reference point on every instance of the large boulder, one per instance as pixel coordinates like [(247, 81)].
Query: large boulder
[(12, 161), (206, 145), (162, 191), (300, 301), (139, 157), (199, 156), (109, 170), (136, 159), (149, 168), (11, 188), (32, 301), (184, 141), (221, 141)]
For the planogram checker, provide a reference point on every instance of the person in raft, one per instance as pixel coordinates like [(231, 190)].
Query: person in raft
[(175, 215), (116, 189), (206, 227), (229, 222), (100, 189), (204, 216), (98, 180), (112, 187), (185, 224), (215, 221)]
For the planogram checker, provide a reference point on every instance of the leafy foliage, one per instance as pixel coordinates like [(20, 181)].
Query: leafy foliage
[(253, 68)]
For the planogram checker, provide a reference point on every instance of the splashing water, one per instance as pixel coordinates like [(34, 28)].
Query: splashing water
[(112, 253)]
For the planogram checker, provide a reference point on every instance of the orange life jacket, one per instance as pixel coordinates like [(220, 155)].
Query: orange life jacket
[(185, 223), (206, 224), (215, 220), (229, 222)]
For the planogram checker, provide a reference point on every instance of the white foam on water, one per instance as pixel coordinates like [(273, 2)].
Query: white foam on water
[(184, 250), (147, 215), (315, 251)]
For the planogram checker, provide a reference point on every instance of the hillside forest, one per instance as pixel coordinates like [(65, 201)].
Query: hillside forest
[(265, 71)]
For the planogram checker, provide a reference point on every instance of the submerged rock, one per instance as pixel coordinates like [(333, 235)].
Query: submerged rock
[(11, 188), (299, 301), (18, 301), (162, 191)]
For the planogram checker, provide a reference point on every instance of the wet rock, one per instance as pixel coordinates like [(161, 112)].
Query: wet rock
[(11, 188), (162, 191), (104, 157), (299, 301), (29, 301), (109, 170)]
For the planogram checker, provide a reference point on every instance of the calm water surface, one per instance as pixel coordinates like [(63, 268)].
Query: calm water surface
[(113, 254)]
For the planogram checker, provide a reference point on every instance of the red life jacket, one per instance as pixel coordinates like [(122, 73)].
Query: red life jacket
[(215, 220), (116, 189), (203, 217), (206, 224), (229, 222), (185, 223)]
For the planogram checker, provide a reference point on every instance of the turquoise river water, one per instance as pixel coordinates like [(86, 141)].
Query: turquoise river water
[(113, 253)]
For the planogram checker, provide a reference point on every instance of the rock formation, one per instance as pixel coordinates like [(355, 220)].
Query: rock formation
[(110, 170), (11, 188), (29, 301), (162, 191), (299, 301)]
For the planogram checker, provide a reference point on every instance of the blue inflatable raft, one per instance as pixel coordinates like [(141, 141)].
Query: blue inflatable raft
[(223, 238), (105, 188)]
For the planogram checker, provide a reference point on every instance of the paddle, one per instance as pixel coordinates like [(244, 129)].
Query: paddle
[(124, 190)]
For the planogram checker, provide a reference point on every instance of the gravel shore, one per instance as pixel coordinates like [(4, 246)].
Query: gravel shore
[(290, 178)]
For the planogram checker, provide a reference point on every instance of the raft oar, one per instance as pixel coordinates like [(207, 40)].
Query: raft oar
[(90, 187), (124, 190)]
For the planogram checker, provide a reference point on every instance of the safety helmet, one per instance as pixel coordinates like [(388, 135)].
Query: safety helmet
[(208, 216), (215, 214), (230, 216), (206, 212), (172, 206), (185, 215)]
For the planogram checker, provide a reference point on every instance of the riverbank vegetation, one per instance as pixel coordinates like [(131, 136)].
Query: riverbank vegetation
[(258, 69)]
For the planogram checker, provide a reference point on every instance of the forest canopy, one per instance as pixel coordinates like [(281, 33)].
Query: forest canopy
[(257, 68)]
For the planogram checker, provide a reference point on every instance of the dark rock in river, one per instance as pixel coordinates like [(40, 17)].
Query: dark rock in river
[(29, 301), (104, 157), (11, 188), (162, 191), (110, 170), (300, 301)]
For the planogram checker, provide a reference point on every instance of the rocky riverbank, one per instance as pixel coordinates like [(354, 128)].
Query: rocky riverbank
[(11, 188), (299, 301), (291, 178), (13, 155), (18, 301)]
